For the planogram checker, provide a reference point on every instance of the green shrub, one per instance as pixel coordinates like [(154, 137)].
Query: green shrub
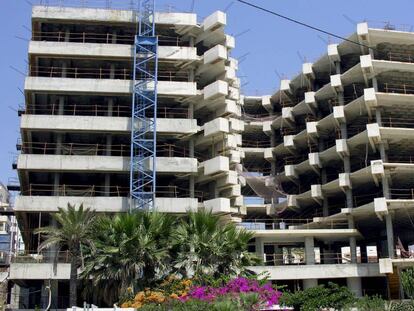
[(319, 297), (407, 282), (371, 303), (402, 306)]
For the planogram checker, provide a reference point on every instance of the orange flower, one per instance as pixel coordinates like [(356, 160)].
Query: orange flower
[(126, 304)]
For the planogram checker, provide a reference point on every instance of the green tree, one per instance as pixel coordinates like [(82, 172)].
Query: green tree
[(132, 250), (73, 231), (207, 247)]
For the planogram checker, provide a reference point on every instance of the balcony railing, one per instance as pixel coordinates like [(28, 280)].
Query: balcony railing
[(123, 150), (99, 191), (101, 110), (398, 122), (100, 73), (320, 259), (256, 143), (402, 194), (285, 223), (401, 88), (42, 257), (105, 38)]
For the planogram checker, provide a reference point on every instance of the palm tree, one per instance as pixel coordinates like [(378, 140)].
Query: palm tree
[(131, 250), (73, 232), (207, 247)]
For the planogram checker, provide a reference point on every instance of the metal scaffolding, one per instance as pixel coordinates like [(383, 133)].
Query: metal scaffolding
[(144, 108)]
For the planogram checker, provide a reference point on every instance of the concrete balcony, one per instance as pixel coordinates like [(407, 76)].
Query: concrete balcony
[(325, 271), (100, 204), (104, 86), (55, 123), (75, 163), (107, 51), (39, 271)]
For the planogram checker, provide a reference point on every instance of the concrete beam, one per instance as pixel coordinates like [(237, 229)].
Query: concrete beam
[(107, 51), (39, 271), (84, 15), (99, 204), (74, 163), (58, 123)]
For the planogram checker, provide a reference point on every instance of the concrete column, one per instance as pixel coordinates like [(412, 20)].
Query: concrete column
[(107, 184), (390, 235), (114, 37), (108, 150), (191, 75), (354, 285), (324, 178), (375, 84), (273, 144), (381, 146), (61, 105), (278, 255), (309, 250), (19, 297), (191, 41), (260, 248), (110, 107), (67, 35), (64, 69), (310, 283), (112, 72), (385, 187), (352, 240), (192, 177)]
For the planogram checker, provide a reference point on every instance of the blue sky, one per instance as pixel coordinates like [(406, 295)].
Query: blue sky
[(274, 45)]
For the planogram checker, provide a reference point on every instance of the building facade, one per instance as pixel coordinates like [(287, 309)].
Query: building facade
[(339, 145), (76, 126), (320, 171)]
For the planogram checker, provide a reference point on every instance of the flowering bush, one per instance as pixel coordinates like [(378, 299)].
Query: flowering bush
[(145, 297), (237, 294), (266, 294)]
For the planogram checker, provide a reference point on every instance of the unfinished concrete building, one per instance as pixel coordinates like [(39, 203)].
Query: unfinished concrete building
[(332, 146), (340, 145), (76, 126)]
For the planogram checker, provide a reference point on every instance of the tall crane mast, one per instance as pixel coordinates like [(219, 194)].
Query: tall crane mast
[(144, 111)]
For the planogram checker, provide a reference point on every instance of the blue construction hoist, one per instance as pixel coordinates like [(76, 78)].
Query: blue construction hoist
[(144, 111)]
